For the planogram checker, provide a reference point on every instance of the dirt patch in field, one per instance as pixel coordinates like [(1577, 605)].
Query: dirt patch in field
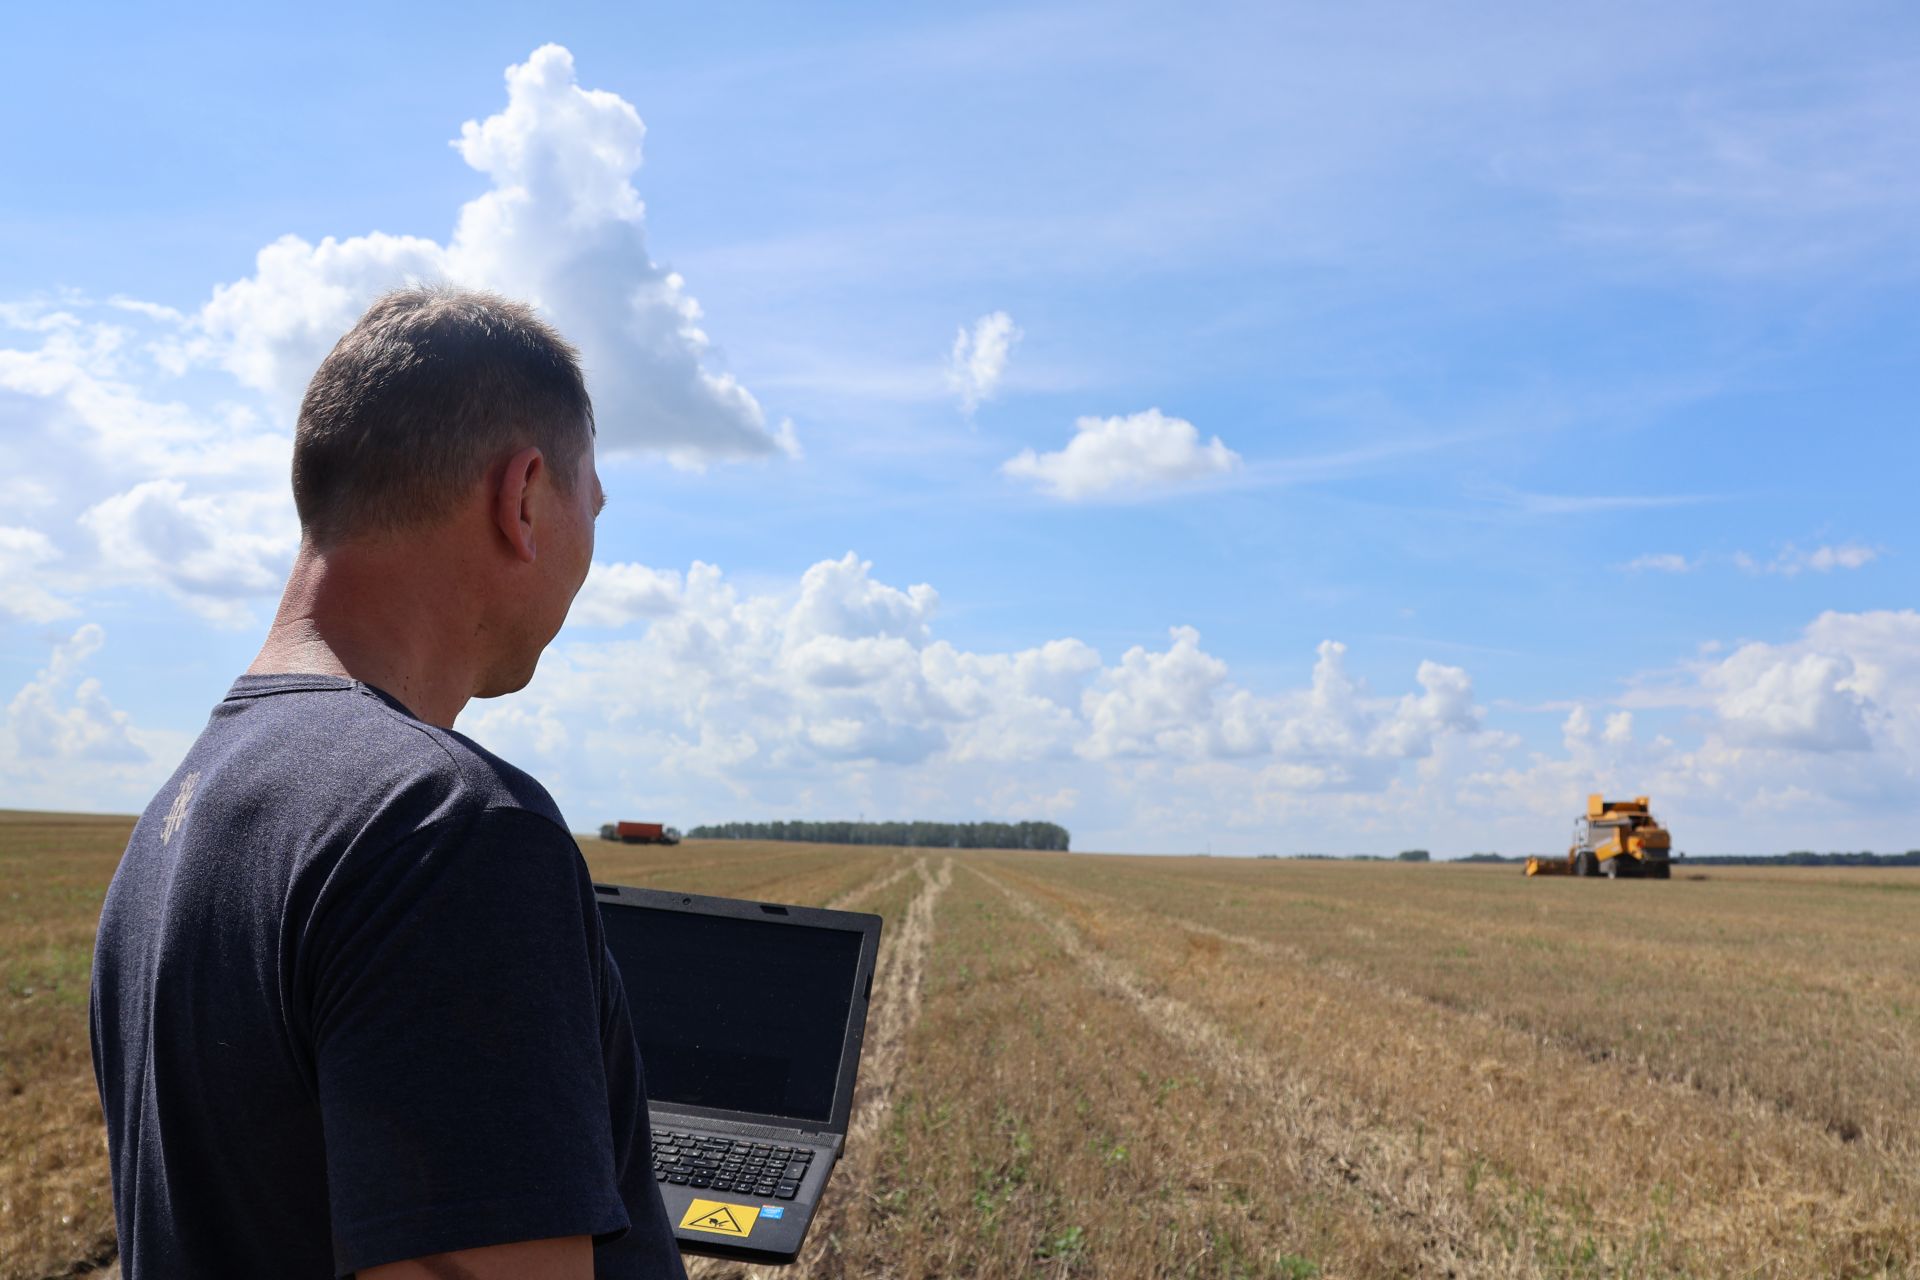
[(896, 1005), (879, 884)]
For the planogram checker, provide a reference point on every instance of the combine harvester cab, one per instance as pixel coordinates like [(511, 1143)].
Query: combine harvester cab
[(1613, 838)]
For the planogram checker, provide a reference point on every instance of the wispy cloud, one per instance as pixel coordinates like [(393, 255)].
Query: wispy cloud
[(1789, 562), (1792, 561), (1660, 562), (1573, 504), (979, 359)]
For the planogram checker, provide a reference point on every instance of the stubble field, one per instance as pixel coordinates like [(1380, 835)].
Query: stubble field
[(1115, 1067)]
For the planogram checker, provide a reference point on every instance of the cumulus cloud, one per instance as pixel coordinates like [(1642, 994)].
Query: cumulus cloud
[(1157, 703), (1142, 453), (213, 552), (117, 487), (1819, 734), (1807, 699), (979, 359), (271, 329), (616, 594), (836, 692), (117, 484), (1338, 735), (561, 226)]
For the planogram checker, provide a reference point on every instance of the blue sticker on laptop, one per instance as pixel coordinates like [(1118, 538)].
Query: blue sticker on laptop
[(773, 1211)]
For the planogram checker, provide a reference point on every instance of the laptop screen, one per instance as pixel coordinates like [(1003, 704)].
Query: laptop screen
[(741, 1015)]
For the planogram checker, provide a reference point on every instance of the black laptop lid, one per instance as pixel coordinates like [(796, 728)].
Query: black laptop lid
[(744, 1010)]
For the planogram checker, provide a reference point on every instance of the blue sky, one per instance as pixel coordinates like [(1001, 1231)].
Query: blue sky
[(1368, 429)]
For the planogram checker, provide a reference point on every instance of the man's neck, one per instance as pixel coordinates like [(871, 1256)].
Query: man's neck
[(341, 616)]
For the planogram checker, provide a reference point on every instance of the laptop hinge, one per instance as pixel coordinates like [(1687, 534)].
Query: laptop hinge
[(751, 1129)]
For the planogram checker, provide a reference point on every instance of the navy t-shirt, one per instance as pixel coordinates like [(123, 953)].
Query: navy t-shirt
[(351, 1004)]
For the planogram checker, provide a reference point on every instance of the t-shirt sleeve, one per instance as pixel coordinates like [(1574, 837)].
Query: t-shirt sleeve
[(456, 1032)]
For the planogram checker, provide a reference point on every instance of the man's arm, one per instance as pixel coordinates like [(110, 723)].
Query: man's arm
[(458, 1050), (569, 1258)]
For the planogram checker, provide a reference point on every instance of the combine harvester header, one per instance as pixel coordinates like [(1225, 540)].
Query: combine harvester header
[(1614, 838)]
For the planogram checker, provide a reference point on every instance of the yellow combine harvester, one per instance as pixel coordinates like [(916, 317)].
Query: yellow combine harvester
[(1614, 838)]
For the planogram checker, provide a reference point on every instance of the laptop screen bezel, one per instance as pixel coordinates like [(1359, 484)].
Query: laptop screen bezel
[(614, 897)]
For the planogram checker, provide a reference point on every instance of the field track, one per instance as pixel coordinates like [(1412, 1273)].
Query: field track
[(1112, 1067)]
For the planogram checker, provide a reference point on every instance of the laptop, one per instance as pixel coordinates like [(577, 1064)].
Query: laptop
[(750, 1017)]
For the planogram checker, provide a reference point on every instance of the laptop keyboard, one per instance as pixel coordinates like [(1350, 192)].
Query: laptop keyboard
[(727, 1164)]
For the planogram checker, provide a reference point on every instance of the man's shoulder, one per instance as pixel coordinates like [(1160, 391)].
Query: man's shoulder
[(490, 782), (348, 746)]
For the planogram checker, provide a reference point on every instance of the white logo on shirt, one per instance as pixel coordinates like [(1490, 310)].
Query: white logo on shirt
[(178, 813)]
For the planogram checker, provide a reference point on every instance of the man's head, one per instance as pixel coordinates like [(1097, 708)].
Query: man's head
[(449, 432), (433, 386)]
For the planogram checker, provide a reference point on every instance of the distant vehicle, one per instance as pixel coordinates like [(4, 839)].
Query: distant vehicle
[(1613, 838), (639, 833)]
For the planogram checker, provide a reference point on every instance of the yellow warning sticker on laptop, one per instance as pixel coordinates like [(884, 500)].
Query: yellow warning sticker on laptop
[(721, 1219)]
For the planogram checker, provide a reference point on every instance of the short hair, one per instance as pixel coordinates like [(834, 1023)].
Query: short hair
[(432, 386)]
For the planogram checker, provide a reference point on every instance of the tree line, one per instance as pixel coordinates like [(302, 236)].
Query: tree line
[(1806, 858), (913, 835), (1798, 858)]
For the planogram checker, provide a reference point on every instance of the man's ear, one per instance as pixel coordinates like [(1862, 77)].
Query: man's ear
[(513, 502)]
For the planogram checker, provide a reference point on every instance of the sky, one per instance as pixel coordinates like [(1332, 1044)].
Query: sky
[(1258, 428)]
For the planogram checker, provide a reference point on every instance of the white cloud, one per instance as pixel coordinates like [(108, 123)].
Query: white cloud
[(616, 594), (1825, 559), (115, 487), (836, 694), (271, 329), (1819, 734), (979, 359), (1158, 703), (215, 553), (1851, 556), (24, 589), (1660, 562), (1797, 697), (64, 745), (1345, 737), (562, 227), (1790, 562), (1139, 454), (60, 716)]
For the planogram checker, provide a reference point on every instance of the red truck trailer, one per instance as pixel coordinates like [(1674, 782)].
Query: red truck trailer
[(639, 833)]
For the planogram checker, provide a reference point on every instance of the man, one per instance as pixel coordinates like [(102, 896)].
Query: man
[(352, 1011)]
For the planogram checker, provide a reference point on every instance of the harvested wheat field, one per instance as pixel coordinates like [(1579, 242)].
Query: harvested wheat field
[(1083, 1066)]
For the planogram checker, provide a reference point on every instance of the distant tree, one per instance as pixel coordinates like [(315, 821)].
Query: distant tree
[(1415, 855)]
